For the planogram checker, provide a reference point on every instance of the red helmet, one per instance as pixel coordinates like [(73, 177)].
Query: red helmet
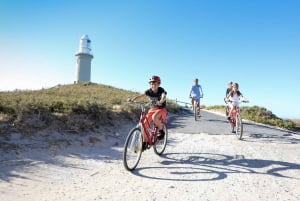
[(155, 78)]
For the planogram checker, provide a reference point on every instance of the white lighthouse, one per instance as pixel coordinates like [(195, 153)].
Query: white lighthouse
[(84, 59)]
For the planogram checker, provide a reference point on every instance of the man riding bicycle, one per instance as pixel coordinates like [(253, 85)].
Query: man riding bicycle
[(158, 111), (196, 93)]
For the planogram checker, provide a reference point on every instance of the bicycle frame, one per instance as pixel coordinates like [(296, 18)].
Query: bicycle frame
[(149, 128)]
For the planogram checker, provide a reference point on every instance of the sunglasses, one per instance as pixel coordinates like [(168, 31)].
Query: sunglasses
[(153, 83)]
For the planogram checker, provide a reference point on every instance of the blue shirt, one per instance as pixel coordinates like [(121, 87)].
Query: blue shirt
[(196, 91)]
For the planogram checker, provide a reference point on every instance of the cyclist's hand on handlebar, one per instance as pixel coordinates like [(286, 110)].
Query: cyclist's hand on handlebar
[(158, 103), (129, 100)]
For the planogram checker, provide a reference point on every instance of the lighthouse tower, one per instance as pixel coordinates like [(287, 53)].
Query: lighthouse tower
[(84, 58)]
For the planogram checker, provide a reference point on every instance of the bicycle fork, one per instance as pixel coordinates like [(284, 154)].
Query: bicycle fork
[(135, 142)]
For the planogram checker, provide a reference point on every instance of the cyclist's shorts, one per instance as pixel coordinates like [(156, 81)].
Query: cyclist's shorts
[(197, 99), (150, 113)]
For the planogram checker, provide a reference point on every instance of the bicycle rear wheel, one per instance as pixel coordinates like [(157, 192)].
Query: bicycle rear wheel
[(132, 149), (160, 145), (239, 127)]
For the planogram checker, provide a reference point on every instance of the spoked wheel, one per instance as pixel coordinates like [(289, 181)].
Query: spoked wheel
[(160, 145), (239, 127), (132, 149)]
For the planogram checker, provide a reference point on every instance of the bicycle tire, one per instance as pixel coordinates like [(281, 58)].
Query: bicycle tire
[(195, 111), (239, 127), (160, 145), (132, 149)]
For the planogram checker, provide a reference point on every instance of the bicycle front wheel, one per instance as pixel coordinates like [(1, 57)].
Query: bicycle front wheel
[(195, 111), (160, 145), (239, 127), (132, 149)]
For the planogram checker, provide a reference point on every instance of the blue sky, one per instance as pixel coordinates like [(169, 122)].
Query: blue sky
[(253, 42)]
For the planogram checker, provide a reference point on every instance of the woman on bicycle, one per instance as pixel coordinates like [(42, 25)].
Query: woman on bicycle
[(157, 96), (196, 93), (233, 98)]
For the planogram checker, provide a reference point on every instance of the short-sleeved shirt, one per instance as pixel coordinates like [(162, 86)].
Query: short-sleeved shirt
[(235, 96), (196, 91), (154, 97)]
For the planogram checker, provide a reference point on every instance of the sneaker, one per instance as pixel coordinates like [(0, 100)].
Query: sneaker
[(161, 135)]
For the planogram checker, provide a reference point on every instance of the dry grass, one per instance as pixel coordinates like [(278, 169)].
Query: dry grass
[(72, 108), (87, 106)]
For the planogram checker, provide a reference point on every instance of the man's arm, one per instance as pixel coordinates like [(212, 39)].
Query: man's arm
[(138, 97)]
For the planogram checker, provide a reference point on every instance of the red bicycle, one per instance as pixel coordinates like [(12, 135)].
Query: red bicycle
[(235, 122), (133, 147)]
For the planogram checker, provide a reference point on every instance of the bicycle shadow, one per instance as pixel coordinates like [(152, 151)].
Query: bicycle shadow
[(262, 133), (212, 167)]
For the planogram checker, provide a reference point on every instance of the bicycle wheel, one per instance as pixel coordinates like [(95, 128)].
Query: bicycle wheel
[(160, 145), (195, 111), (132, 149), (239, 127)]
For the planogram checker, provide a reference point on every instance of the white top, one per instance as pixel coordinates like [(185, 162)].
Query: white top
[(234, 98)]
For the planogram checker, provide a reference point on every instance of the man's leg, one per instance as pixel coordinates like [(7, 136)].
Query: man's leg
[(226, 110)]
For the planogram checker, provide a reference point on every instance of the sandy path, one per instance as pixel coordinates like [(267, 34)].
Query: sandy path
[(194, 167)]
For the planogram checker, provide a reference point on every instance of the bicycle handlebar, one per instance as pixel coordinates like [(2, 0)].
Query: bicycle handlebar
[(137, 103), (230, 101)]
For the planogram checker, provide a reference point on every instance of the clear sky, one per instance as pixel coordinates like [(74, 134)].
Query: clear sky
[(253, 42)]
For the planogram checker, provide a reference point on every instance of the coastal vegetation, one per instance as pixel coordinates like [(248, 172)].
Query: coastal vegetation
[(86, 106)]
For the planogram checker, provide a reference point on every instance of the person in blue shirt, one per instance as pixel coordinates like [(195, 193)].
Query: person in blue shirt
[(196, 93)]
